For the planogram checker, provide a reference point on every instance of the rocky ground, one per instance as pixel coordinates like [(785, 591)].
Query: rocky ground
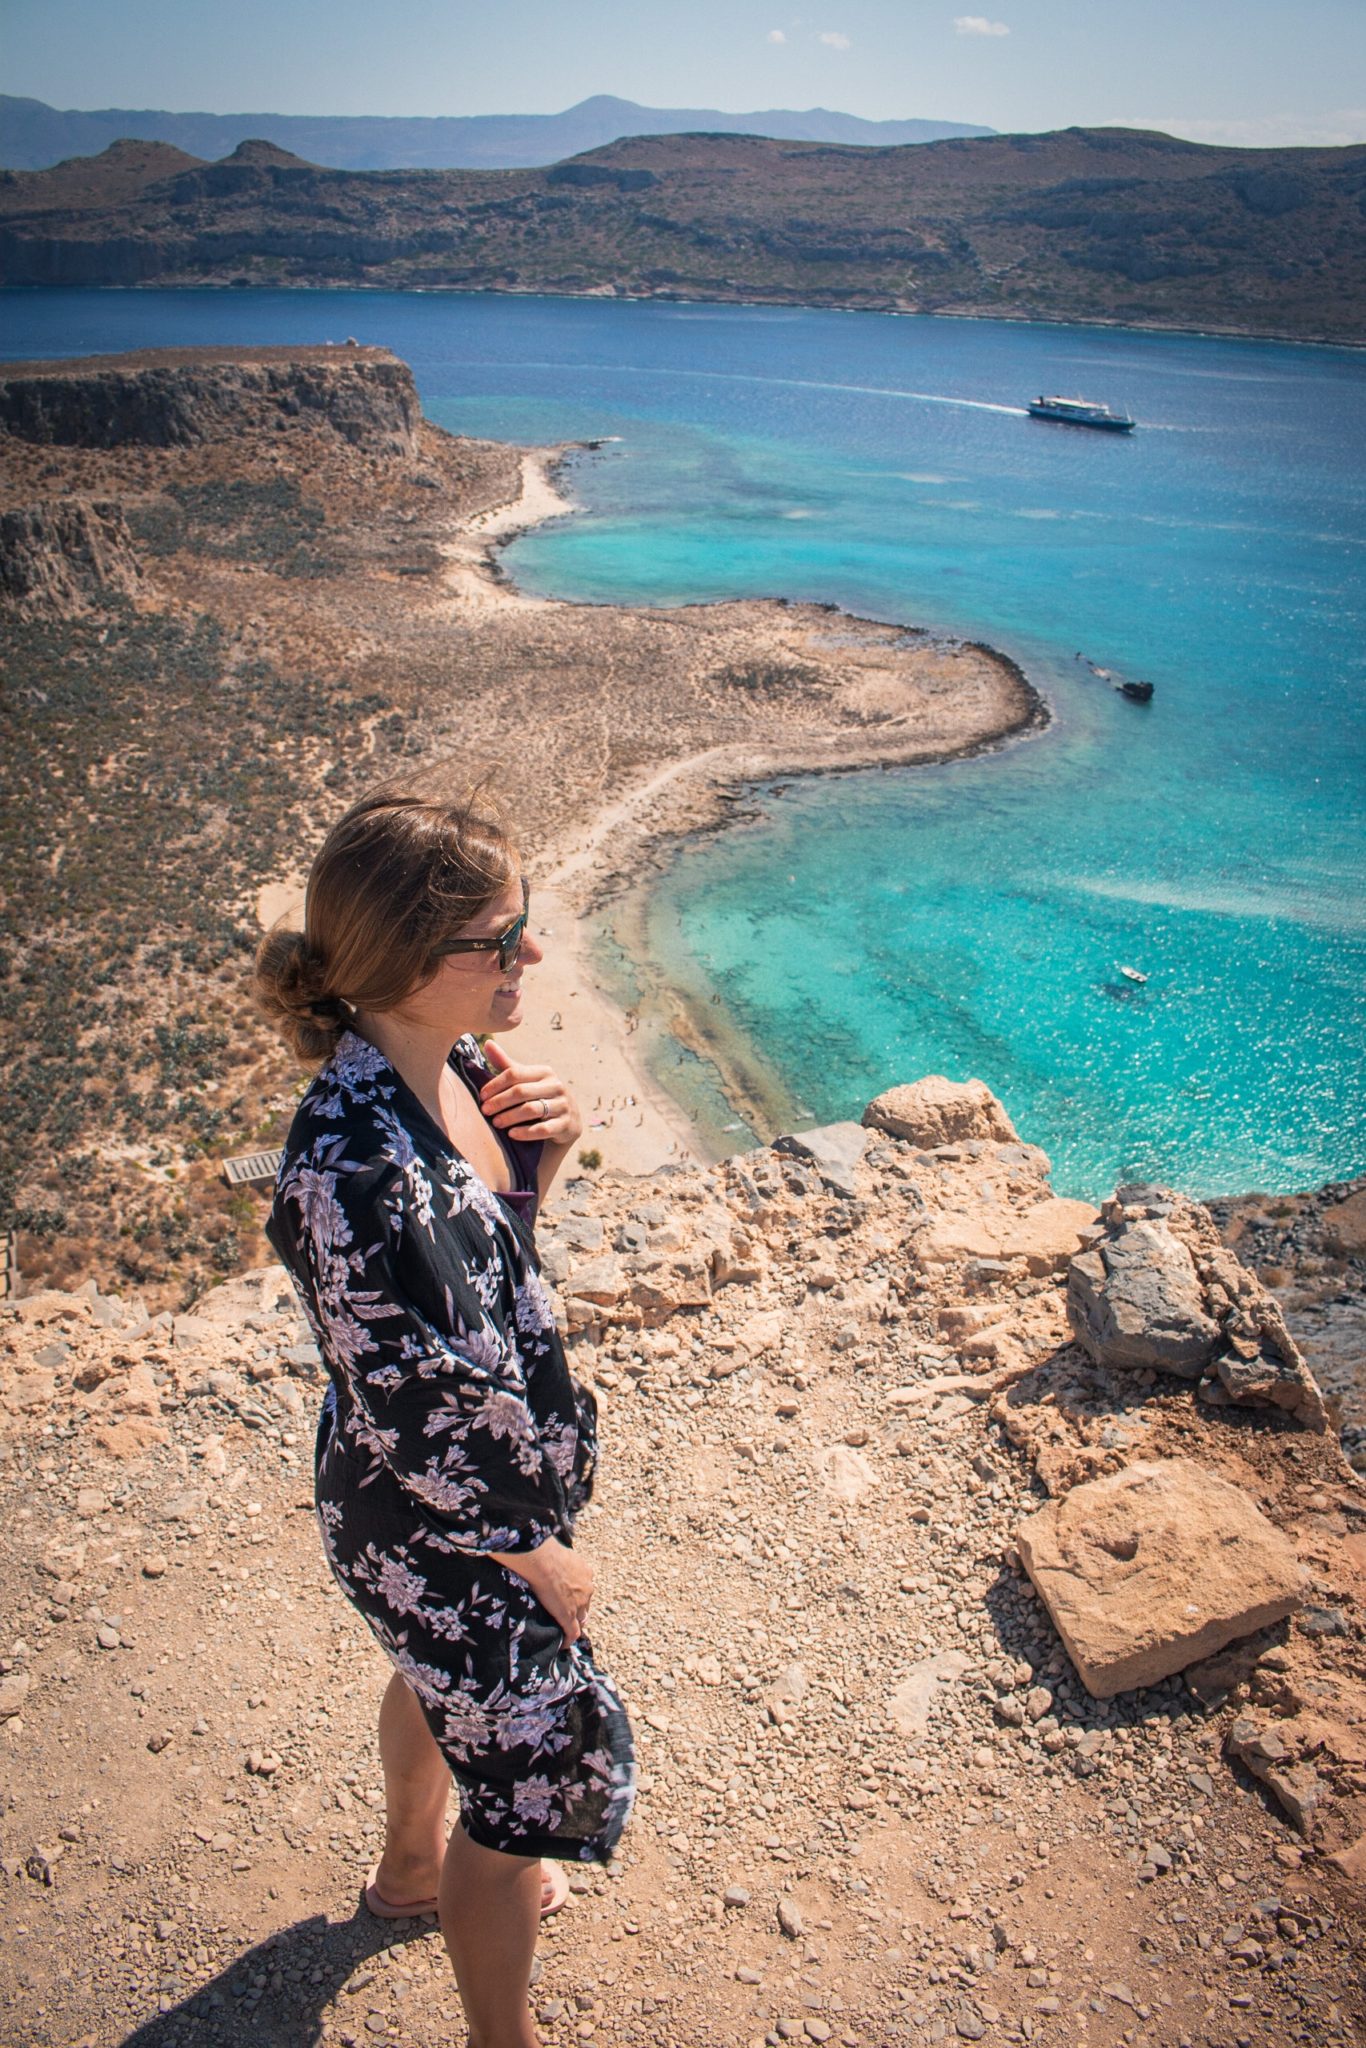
[(877, 1805)]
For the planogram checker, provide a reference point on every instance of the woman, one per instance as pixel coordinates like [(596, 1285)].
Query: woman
[(454, 1449)]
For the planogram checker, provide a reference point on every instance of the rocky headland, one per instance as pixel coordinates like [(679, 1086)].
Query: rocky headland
[(1086, 224), (240, 586), (984, 1574)]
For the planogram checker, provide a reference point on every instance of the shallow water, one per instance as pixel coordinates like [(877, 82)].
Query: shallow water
[(971, 918)]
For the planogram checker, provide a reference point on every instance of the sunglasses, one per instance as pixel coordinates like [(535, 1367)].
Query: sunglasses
[(507, 944)]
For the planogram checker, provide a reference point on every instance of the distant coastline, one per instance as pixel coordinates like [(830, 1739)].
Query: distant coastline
[(1105, 227), (1353, 345)]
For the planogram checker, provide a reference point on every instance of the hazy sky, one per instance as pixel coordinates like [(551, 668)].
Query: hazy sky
[(1251, 71)]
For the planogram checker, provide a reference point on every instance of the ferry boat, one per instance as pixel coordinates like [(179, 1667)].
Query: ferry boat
[(1080, 412)]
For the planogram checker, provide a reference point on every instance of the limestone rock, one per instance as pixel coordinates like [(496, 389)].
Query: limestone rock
[(1351, 1861), (936, 1111), (13, 1693), (1158, 1290), (601, 1281), (1045, 1236), (1048, 1235), (1270, 1755), (1135, 1300), (787, 1693), (846, 1473), (909, 1706), (1261, 1362), (63, 557), (763, 1333), (1156, 1567), (833, 1149)]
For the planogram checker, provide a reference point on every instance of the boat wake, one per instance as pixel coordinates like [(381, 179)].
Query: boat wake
[(782, 383)]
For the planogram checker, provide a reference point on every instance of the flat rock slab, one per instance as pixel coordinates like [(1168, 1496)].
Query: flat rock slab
[(1046, 1237), (833, 1149), (1155, 1567), (909, 1706)]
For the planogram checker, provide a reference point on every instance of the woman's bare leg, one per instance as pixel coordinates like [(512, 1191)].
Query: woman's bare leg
[(417, 1783), (490, 1913)]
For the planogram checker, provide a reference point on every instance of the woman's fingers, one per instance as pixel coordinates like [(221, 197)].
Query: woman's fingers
[(518, 1087), (536, 1105), (544, 1118), (561, 1579)]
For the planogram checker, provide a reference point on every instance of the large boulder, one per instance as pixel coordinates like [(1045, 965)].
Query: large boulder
[(1135, 1300), (1159, 1290), (936, 1112), (1156, 1567)]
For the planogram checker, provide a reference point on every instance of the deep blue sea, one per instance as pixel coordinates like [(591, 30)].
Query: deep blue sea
[(972, 918)]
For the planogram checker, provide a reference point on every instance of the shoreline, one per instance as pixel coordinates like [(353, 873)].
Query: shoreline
[(642, 1126), (891, 312)]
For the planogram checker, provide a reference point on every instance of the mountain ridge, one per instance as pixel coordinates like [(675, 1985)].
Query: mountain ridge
[(34, 135), (1104, 226)]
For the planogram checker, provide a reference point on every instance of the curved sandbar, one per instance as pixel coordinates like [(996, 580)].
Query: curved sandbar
[(797, 689)]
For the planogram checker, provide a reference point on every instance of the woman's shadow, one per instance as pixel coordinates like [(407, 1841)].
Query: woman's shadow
[(276, 1994)]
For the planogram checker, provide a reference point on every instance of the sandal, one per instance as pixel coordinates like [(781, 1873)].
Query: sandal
[(385, 1909), (554, 1895)]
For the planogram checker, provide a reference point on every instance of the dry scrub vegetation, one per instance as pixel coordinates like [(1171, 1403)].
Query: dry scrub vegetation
[(162, 756)]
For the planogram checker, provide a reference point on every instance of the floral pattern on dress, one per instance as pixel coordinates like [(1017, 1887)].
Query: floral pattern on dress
[(452, 1429)]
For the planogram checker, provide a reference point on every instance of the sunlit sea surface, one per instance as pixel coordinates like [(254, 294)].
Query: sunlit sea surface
[(972, 918)]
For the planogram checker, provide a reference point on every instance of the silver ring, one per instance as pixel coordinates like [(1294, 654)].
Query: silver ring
[(542, 1106)]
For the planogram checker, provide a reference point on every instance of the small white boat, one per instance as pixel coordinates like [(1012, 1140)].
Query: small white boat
[(1133, 974)]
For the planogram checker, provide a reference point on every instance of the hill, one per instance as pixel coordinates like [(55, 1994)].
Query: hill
[(1083, 225), (34, 135)]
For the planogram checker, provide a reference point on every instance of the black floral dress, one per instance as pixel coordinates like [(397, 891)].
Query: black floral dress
[(451, 1429)]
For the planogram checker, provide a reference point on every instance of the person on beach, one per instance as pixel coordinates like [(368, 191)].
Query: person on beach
[(454, 1449)]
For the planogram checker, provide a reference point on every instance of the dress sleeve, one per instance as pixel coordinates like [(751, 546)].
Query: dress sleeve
[(412, 1323)]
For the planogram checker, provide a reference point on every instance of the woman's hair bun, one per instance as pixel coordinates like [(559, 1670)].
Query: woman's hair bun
[(292, 991)]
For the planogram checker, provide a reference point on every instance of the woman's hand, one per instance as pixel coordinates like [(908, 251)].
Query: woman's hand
[(528, 1102), (561, 1579)]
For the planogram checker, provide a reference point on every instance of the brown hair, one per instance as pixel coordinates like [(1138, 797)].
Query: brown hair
[(400, 873)]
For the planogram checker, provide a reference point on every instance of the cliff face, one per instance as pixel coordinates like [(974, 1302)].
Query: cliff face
[(192, 396), (66, 556), (1086, 224)]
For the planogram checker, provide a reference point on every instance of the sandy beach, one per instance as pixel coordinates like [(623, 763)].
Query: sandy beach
[(911, 699)]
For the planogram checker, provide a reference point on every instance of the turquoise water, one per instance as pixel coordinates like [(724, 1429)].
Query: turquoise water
[(973, 918)]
